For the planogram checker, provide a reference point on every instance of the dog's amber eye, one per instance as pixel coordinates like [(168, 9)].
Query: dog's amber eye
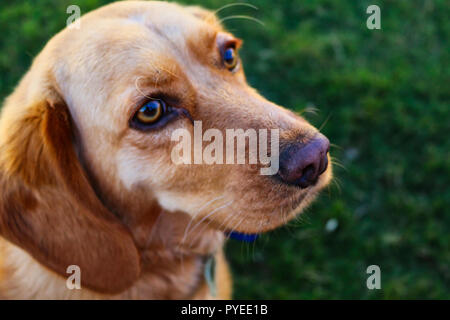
[(150, 112), (230, 58), (156, 113)]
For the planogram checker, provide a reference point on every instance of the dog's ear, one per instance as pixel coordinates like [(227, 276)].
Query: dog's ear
[(49, 208)]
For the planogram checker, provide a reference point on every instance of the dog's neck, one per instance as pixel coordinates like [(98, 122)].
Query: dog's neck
[(173, 253), (172, 268), (172, 277), (155, 229)]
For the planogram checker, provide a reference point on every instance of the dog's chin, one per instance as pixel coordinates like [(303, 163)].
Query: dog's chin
[(257, 222)]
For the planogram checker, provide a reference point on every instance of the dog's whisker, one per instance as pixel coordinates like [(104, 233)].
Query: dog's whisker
[(312, 110), (301, 220), (254, 242), (336, 160), (159, 69), (136, 84), (198, 233), (195, 215), (230, 230), (340, 165), (214, 14), (325, 122), (235, 4), (225, 221), (136, 81), (337, 183), (337, 179), (204, 227), (239, 223), (210, 214), (335, 146), (236, 225), (244, 17), (337, 186)]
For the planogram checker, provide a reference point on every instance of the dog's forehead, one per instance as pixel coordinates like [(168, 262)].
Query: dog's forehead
[(164, 21), (149, 34), (119, 43)]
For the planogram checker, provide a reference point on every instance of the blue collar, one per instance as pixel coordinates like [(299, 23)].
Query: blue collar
[(243, 236)]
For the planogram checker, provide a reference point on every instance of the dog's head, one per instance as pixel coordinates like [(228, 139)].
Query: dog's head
[(88, 149)]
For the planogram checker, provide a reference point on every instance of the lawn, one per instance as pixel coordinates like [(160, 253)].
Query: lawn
[(383, 99)]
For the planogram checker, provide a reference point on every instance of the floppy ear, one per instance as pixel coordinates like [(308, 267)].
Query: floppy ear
[(49, 208)]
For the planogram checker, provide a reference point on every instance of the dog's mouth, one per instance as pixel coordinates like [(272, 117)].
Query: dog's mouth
[(251, 236), (280, 211)]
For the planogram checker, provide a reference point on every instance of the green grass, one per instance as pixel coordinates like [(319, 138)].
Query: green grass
[(386, 94)]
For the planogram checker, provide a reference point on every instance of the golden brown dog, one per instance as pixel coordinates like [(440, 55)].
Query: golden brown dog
[(86, 176)]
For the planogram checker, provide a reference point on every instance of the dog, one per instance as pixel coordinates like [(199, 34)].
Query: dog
[(86, 176)]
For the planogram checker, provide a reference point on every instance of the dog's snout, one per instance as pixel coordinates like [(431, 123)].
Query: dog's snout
[(301, 164)]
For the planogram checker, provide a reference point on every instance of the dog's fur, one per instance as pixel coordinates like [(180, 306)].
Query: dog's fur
[(78, 186)]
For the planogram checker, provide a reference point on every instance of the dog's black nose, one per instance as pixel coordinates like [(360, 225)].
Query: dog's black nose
[(302, 164)]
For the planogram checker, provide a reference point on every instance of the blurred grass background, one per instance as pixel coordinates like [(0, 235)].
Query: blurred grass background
[(383, 99)]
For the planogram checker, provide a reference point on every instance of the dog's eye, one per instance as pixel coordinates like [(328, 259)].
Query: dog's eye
[(156, 113), (150, 112), (230, 58)]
